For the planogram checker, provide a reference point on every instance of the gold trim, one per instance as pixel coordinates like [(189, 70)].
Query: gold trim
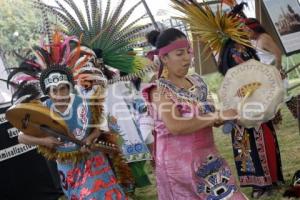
[(51, 154)]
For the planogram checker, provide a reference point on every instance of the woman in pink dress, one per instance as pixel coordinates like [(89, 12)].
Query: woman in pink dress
[(188, 165)]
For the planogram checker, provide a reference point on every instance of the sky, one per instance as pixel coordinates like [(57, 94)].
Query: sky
[(154, 5)]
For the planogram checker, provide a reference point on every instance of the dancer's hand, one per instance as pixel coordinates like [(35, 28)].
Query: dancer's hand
[(218, 124), (85, 149), (51, 142), (225, 115), (228, 115), (88, 143), (92, 138)]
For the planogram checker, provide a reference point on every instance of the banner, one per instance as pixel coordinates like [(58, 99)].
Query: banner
[(24, 173), (9, 145)]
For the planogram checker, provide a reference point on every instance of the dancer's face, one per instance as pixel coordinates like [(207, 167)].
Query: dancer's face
[(86, 81), (178, 61), (60, 93)]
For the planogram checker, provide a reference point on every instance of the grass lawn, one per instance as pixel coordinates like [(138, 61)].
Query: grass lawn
[(289, 142)]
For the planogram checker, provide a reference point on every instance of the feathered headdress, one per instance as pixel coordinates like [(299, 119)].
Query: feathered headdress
[(51, 63), (102, 29), (214, 29)]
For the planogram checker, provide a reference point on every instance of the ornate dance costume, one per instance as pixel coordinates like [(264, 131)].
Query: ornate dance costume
[(256, 155), (255, 150), (91, 177), (114, 39), (83, 175), (189, 166)]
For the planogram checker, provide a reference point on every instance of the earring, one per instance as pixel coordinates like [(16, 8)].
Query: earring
[(165, 73)]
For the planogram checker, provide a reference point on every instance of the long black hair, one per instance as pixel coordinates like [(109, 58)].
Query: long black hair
[(152, 37), (226, 60), (255, 25), (168, 36)]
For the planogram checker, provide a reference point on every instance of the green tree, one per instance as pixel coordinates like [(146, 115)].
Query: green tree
[(19, 27)]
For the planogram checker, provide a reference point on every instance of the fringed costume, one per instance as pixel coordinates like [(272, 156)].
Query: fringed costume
[(83, 175)]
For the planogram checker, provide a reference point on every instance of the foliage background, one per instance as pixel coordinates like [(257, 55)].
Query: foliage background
[(20, 27)]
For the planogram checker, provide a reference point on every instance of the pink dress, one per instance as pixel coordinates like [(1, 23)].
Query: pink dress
[(189, 166)]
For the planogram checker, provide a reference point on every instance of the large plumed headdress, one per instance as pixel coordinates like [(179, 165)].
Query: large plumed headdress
[(213, 28), (53, 63)]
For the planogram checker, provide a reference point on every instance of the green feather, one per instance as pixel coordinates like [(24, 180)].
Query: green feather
[(105, 29)]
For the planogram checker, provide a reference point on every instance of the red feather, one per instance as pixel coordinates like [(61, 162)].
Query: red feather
[(56, 48)]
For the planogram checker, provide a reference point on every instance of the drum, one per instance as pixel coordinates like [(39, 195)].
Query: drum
[(255, 90), (28, 117), (39, 121)]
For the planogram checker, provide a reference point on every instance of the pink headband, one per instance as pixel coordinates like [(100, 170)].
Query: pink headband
[(174, 45)]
